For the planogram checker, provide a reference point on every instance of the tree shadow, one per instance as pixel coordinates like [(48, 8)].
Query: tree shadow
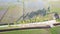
[(33, 14)]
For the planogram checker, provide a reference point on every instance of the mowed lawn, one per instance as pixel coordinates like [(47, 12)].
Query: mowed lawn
[(31, 31), (55, 30)]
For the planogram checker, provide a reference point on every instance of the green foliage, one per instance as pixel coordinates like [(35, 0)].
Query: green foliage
[(1, 8), (58, 20), (8, 25), (55, 30), (15, 23), (42, 12), (37, 19), (49, 8)]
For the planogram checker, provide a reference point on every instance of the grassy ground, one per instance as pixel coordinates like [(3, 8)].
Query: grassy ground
[(32, 31), (55, 30), (58, 20)]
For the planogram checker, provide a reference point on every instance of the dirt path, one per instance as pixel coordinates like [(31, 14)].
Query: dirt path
[(38, 25)]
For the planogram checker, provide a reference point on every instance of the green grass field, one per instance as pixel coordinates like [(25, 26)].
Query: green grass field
[(32, 31), (55, 30)]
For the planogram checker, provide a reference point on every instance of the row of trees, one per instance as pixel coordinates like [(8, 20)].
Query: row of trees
[(31, 16), (42, 12)]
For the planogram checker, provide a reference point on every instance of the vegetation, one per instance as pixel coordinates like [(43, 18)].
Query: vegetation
[(37, 19), (58, 20), (55, 30), (37, 16), (1, 8), (32, 31)]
